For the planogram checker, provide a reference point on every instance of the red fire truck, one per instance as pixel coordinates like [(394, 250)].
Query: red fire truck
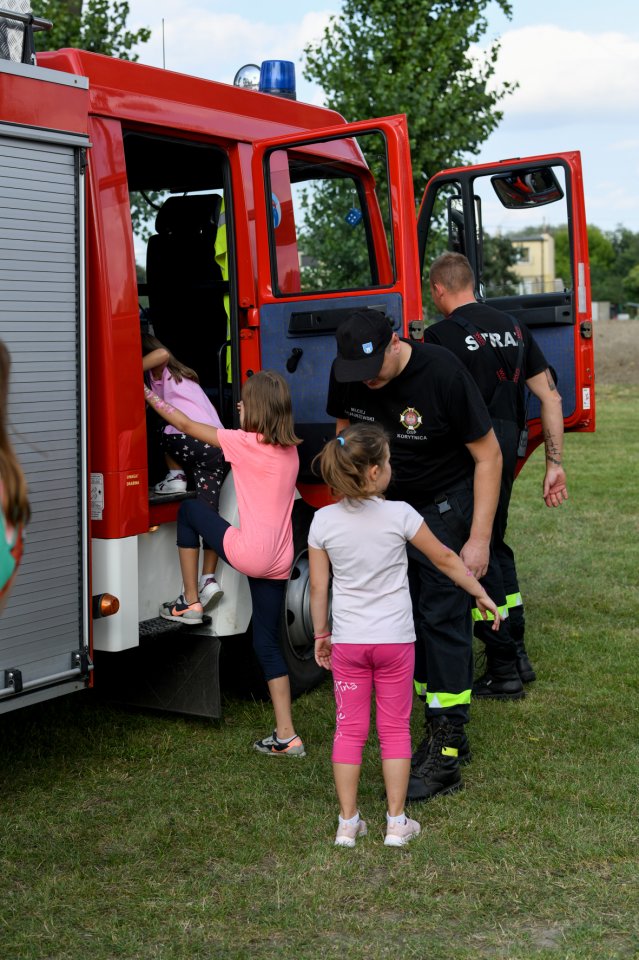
[(271, 219)]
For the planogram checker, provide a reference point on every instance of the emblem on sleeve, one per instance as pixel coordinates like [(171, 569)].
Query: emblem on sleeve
[(411, 419)]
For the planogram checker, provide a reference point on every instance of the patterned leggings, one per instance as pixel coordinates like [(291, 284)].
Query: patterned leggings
[(205, 462)]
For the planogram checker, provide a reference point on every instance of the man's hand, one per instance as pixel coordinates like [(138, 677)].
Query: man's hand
[(475, 555), (555, 490)]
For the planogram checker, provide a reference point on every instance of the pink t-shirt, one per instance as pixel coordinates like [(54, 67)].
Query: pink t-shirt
[(188, 397), (265, 477)]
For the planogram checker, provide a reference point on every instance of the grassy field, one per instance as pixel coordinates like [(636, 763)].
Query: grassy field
[(133, 836)]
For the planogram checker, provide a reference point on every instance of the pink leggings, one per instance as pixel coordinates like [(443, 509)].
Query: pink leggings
[(357, 668)]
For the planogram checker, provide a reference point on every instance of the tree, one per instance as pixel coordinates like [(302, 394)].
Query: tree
[(100, 27), (378, 59), (631, 285), (499, 257), (95, 25)]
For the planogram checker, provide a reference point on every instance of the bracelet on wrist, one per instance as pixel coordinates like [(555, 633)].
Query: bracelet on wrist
[(321, 636)]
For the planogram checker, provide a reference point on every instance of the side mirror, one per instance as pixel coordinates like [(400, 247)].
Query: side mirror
[(527, 188)]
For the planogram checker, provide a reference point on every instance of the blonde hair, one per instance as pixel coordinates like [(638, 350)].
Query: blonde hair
[(179, 371), (453, 272), (14, 485), (268, 409), (345, 461)]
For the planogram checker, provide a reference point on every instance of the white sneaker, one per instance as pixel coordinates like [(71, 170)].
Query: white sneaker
[(171, 485), (399, 834), (210, 593), (347, 833)]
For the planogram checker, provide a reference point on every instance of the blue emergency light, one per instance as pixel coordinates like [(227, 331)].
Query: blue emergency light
[(278, 77)]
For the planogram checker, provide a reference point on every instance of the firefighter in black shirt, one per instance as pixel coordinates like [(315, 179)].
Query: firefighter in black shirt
[(501, 356), (447, 464)]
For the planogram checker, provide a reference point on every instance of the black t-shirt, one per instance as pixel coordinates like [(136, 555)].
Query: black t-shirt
[(430, 411), (491, 359)]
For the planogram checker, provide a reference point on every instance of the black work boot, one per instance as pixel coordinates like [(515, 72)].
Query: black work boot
[(464, 757), (438, 773), (525, 668), (501, 681)]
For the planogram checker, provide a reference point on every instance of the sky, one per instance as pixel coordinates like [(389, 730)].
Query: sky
[(576, 63)]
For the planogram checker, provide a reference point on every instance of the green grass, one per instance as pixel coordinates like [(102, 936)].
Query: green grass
[(125, 835)]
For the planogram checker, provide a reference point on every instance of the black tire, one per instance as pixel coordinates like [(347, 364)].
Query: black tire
[(297, 628)]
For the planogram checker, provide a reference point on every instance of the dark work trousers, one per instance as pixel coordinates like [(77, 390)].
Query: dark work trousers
[(508, 436), (442, 613), (196, 519)]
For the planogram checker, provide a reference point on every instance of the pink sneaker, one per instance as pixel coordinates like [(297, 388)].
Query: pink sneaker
[(347, 833), (399, 834)]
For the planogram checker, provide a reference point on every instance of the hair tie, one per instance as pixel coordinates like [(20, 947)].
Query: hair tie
[(340, 440)]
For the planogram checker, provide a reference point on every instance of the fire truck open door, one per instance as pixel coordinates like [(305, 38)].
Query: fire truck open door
[(335, 231), (497, 216)]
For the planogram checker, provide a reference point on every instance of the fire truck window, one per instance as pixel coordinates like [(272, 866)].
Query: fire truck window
[(525, 249), (446, 232), (330, 216)]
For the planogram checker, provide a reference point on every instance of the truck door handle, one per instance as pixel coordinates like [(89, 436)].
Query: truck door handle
[(294, 359)]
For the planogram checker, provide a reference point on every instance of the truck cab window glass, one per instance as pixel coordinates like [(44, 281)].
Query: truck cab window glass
[(446, 232), (524, 249), (330, 217)]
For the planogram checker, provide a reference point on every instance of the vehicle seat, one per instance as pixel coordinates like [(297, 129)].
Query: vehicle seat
[(185, 285)]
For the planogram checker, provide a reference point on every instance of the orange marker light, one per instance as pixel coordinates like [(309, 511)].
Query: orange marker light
[(105, 605)]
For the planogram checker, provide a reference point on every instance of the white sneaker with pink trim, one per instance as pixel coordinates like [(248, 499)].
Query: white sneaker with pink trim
[(399, 834), (347, 833)]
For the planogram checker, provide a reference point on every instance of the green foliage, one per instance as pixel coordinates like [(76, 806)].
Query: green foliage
[(377, 59), (325, 229), (631, 284), (95, 25), (614, 262), (499, 256)]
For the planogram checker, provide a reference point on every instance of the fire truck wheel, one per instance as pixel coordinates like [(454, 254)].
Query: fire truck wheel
[(297, 628)]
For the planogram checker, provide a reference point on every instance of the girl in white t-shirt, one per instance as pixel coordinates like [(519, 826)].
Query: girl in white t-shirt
[(363, 539)]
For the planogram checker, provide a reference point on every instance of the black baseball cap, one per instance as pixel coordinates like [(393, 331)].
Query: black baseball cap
[(361, 341)]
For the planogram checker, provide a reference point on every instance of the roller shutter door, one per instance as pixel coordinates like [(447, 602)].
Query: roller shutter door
[(43, 627)]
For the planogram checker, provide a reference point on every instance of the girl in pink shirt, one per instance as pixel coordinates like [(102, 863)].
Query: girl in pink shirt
[(264, 460)]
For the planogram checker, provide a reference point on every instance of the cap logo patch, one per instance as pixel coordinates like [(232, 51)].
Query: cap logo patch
[(367, 347)]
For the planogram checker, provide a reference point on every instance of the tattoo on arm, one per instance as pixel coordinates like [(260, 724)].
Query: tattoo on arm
[(158, 403), (549, 377), (553, 452)]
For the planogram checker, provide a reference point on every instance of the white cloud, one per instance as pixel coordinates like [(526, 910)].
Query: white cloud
[(569, 74), (214, 45)]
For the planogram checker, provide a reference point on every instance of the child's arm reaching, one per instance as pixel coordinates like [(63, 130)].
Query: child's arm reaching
[(319, 568), (449, 563), (156, 361), (179, 420)]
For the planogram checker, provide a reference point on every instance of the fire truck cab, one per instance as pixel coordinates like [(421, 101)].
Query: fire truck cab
[(240, 227)]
